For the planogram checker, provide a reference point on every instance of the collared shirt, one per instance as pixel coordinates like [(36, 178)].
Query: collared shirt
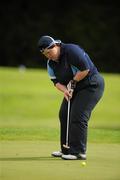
[(72, 59)]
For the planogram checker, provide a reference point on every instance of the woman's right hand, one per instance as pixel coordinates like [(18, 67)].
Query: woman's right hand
[(68, 94)]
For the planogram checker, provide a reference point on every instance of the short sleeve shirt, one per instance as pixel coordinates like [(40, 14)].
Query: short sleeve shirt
[(72, 59)]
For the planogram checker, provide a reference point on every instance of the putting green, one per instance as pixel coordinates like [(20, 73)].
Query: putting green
[(23, 160), (29, 130)]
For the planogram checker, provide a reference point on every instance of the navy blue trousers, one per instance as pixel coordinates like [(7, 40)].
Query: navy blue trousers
[(82, 104)]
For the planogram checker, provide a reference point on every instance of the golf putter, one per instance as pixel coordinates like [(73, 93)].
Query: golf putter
[(67, 130)]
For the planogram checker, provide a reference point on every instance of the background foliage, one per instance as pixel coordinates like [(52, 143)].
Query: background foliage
[(94, 25)]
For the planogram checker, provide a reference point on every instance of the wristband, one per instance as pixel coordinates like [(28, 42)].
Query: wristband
[(73, 84)]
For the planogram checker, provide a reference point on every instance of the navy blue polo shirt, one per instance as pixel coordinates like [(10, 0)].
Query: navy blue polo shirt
[(72, 59)]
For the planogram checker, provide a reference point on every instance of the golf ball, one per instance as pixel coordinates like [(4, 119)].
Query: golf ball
[(83, 163)]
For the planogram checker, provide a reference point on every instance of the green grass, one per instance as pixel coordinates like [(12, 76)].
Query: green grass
[(29, 130), (31, 160)]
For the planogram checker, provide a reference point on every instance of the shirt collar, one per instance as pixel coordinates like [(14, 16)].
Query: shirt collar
[(62, 50)]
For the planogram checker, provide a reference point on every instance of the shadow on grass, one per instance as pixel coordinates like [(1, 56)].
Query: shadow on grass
[(29, 159)]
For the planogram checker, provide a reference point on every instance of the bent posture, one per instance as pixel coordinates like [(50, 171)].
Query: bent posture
[(72, 72)]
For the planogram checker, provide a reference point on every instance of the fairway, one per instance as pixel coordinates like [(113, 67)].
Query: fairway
[(29, 130)]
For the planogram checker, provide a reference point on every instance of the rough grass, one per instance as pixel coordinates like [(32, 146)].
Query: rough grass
[(30, 105)]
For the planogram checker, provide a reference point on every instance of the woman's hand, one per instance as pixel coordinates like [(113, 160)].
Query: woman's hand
[(68, 94)]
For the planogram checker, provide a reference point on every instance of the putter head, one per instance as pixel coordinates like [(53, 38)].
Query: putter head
[(66, 146)]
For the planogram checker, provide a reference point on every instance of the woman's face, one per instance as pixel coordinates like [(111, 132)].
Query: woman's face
[(52, 53)]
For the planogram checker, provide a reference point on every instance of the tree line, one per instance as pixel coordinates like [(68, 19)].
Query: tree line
[(93, 25)]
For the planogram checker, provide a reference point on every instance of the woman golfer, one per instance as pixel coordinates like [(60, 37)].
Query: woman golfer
[(72, 72)]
